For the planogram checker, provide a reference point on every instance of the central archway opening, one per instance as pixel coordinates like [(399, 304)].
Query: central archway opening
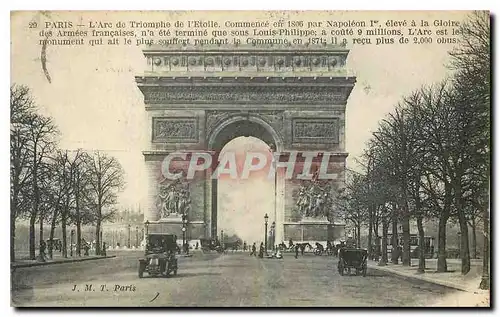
[(242, 203), (239, 204)]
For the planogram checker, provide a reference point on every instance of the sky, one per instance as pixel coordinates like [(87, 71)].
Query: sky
[(96, 104)]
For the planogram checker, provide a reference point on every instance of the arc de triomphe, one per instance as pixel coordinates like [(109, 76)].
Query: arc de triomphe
[(200, 98)]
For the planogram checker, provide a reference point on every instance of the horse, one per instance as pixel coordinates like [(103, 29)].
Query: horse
[(302, 246), (233, 246), (319, 249)]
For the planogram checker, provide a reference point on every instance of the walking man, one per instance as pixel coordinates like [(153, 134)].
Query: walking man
[(296, 251), (254, 249), (261, 250)]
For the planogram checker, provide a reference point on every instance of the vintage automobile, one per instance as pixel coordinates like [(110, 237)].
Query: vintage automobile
[(159, 257), (352, 258)]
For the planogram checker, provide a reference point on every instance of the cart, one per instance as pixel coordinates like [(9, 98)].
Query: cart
[(351, 258)]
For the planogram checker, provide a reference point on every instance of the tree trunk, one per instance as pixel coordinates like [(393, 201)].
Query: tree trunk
[(13, 232), (370, 232), (421, 245), (485, 279), (64, 238), (78, 237), (395, 242), (406, 236), (474, 238), (377, 240), (385, 229), (78, 225), (464, 243), (51, 237), (32, 237), (98, 237), (358, 236), (41, 229), (441, 261)]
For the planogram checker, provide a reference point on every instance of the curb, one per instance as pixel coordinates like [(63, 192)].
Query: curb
[(420, 278), (22, 265)]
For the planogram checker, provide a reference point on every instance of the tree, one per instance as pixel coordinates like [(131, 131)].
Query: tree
[(22, 107), (79, 182), (54, 193), (106, 179), (351, 204), (472, 103), (471, 60), (32, 139), (397, 136)]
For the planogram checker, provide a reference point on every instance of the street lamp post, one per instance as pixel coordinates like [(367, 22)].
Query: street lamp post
[(266, 218), (72, 233), (147, 232), (222, 239), (184, 239), (273, 226), (128, 240), (184, 242), (136, 236)]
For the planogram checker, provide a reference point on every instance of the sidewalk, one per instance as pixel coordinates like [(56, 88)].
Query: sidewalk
[(20, 263), (453, 278)]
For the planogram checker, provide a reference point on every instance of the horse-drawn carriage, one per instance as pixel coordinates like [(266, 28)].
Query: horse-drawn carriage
[(211, 245), (159, 255), (351, 258)]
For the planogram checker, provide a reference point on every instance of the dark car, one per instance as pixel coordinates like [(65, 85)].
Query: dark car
[(159, 257)]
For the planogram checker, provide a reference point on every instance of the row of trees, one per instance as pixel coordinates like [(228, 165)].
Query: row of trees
[(55, 186), (430, 158)]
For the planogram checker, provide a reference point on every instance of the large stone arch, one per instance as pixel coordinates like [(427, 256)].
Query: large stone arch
[(198, 99)]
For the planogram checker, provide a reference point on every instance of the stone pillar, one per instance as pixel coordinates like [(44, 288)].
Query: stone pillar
[(280, 208), (153, 169)]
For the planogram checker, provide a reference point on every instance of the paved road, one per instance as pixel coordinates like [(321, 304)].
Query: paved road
[(213, 280)]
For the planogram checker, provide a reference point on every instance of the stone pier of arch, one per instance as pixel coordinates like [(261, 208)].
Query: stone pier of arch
[(292, 98)]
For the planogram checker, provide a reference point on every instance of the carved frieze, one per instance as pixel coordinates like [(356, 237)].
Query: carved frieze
[(315, 130), (171, 130), (333, 61), (244, 94)]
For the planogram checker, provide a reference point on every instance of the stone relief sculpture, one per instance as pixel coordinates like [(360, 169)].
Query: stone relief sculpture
[(173, 199), (315, 199), (174, 128)]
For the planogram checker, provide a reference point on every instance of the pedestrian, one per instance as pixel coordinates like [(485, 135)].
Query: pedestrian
[(278, 254), (41, 255), (296, 251), (245, 246), (254, 250), (261, 250), (103, 251)]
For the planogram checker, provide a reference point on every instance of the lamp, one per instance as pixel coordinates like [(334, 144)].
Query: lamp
[(72, 233), (266, 218), (273, 226)]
